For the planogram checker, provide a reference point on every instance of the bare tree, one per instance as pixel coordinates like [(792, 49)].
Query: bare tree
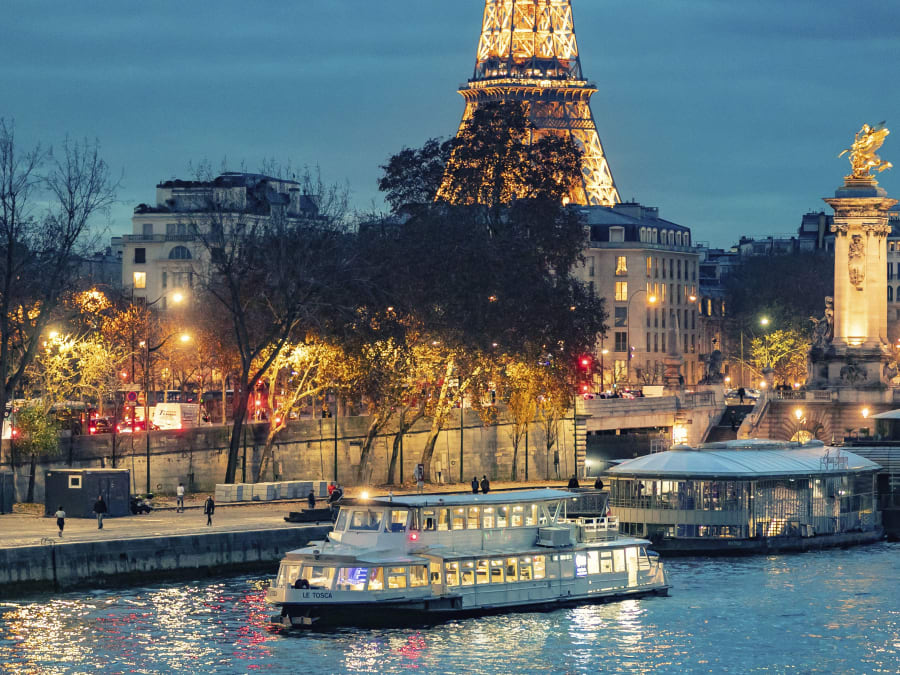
[(47, 201), (279, 261)]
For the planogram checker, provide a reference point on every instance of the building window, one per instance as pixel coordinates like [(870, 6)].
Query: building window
[(140, 280), (890, 270), (662, 343), (677, 296), (140, 255), (890, 293), (693, 343), (693, 319), (621, 341), (148, 229), (620, 369), (686, 239), (621, 265), (621, 291), (649, 266), (591, 288), (165, 278), (656, 343), (678, 267), (648, 342), (621, 317), (617, 234), (75, 482), (183, 253), (656, 318)]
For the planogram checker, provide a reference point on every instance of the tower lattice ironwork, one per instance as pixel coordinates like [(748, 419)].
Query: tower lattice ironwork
[(528, 52)]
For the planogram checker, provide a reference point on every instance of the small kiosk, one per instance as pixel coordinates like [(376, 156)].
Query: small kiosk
[(77, 490)]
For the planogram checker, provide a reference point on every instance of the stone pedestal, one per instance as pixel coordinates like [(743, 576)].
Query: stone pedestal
[(858, 352)]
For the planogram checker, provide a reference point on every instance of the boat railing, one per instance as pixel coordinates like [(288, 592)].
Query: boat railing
[(594, 529)]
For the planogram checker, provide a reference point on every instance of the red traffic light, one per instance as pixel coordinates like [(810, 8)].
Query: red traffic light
[(585, 362)]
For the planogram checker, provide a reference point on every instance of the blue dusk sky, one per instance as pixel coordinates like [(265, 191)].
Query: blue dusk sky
[(726, 115)]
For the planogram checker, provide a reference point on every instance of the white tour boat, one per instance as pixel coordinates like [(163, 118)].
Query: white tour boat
[(430, 557)]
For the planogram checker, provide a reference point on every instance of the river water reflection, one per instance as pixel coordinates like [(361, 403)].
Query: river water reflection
[(832, 611)]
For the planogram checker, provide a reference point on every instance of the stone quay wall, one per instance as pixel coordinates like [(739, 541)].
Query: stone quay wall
[(57, 566), (305, 450)]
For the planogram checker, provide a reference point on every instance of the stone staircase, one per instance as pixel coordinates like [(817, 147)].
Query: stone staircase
[(723, 431)]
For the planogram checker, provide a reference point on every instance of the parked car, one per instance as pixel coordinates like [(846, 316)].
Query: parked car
[(100, 425)]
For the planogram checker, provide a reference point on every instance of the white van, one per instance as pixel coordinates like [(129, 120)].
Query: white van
[(176, 415)]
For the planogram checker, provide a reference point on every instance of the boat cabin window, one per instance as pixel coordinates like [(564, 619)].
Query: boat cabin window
[(443, 520), (567, 569), (435, 573), (488, 517), (473, 521), (593, 562), (352, 579), (366, 520), (418, 576), (512, 569), (468, 573), (287, 575), (524, 515), (497, 571), (341, 521), (318, 576), (376, 579), (525, 569), (458, 519), (398, 518), (429, 520), (452, 571), (581, 561), (619, 560), (396, 577), (502, 516), (482, 575), (540, 566), (606, 566)]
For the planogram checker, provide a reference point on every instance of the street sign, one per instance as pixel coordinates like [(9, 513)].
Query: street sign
[(131, 396)]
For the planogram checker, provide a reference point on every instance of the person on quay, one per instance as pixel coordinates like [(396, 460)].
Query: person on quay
[(179, 495), (209, 509), (573, 482), (311, 499), (474, 485), (741, 394), (100, 509), (60, 519), (485, 485), (598, 484), (331, 487)]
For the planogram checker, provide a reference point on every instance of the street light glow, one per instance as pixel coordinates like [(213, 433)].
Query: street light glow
[(865, 412), (185, 337), (764, 321), (177, 297), (798, 413), (651, 300)]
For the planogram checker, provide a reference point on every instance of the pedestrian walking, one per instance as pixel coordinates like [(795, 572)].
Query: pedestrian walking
[(474, 485), (100, 509), (60, 519), (311, 499), (485, 485), (209, 509), (179, 494), (741, 394)]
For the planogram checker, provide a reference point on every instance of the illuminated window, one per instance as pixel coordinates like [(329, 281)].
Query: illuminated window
[(649, 265), (140, 280), (621, 291), (621, 266)]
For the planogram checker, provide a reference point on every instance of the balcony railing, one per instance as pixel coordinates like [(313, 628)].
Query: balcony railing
[(158, 237)]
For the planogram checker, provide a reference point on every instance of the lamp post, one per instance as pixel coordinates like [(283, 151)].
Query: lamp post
[(651, 300)]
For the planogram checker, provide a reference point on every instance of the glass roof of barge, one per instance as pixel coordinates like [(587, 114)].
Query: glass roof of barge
[(510, 497), (685, 462)]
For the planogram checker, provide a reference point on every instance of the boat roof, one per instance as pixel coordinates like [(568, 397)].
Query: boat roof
[(889, 415), (686, 462), (458, 499)]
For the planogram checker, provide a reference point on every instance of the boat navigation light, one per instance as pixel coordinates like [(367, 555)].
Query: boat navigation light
[(413, 536)]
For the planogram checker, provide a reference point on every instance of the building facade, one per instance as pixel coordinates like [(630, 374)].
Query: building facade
[(163, 255), (647, 269)]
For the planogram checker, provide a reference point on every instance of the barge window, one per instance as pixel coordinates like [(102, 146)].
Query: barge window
[(398, 520), (435, 573), (318, 576), (468, 573), (619, 560), (530, 514), (540, 566), (352, 579), (376, 579), (512, 569), (481, 572), (487, 517), (443, 519), (502, 516), (606, 566), (458, 520), (418, 576), (497, 571), (593, 562), (473, 520), (396, 577), (429, 520), (366, 521), (525, 569), (518, 516), (581, 565), (341, 521), (452, 571)]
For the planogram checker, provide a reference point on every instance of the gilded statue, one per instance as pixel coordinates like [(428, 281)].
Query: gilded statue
[(862, 153)]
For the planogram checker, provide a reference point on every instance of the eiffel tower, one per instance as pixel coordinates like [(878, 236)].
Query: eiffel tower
[(527, 52)]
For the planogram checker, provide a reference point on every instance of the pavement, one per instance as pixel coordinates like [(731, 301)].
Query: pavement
[(30, 529)]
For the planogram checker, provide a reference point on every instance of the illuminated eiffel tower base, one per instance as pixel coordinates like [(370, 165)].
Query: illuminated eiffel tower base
[(528, 52)]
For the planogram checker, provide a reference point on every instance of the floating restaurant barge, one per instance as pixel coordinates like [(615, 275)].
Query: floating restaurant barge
[(432, 557), (747, 497)]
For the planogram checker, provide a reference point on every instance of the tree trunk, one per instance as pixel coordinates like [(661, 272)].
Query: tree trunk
[(515, 460), (268, 453), (379, 420), (29, 497), (237, 427), (224, 396), (437, 421), (404, 426)]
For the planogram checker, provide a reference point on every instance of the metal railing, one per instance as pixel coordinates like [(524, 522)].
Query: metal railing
[(594, 529)]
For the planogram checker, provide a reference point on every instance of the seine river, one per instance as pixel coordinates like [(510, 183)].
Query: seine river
[(830, 612)]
